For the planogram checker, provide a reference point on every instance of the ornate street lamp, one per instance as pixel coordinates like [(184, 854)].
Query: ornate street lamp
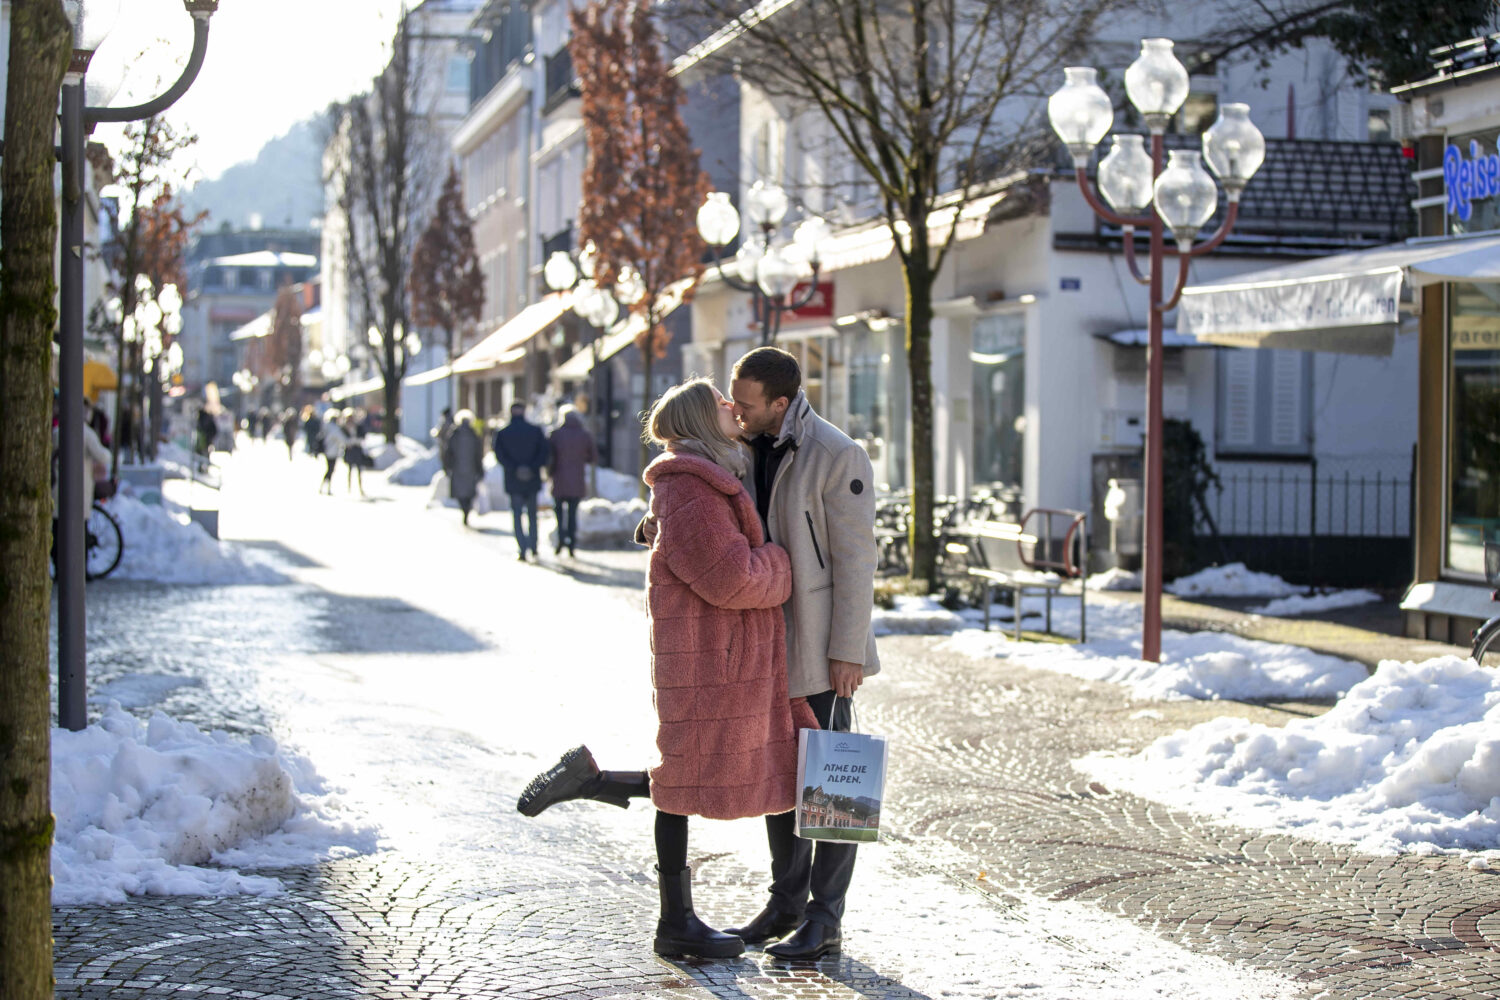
[(1143, 193), (91, 21), (769, 271)]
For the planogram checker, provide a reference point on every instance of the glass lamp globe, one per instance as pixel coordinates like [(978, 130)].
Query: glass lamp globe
[(1185, 194), (718, 220), (810, 236), (587, 258), (344, 364), (766, 204), (1157, 82), (1125, 175), (746, 259), (174, 356), (629, 286), (605, 310), (91, 20), (1081, 112), (560, 273), (1234, 148), (776, 273), (169, 298)]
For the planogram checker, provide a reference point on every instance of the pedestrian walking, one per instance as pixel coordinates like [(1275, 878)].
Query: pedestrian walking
[(312, 429), (813, 489), (207, 431), (521, 449), (463, 454), (726, 729), (289, 426), (440, 434), (572, 451), (331, 441), (356, 459)]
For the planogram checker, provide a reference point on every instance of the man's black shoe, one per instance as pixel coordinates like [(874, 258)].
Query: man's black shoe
[(811, 941), (768, 925)]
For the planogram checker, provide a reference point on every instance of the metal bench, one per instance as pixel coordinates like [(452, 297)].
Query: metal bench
[(1005, 555)]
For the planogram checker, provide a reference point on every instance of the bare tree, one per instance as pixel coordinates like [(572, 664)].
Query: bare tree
[(446, 284), (926, 101), (642, 185), (382, 172), (40, 45)]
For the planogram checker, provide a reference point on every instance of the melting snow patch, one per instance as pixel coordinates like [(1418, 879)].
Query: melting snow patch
[(916, 616), (1234, 580), (1284, 606), (161, 548)]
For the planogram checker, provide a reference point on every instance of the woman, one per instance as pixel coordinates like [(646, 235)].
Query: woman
[(333, 440), (463, 457), (355, 458), (725, 727)]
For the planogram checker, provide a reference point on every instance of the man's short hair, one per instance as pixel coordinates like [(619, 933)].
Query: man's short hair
[(517, 408), (775, 369)]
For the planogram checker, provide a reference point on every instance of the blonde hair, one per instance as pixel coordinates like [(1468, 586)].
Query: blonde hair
[(686, 418)]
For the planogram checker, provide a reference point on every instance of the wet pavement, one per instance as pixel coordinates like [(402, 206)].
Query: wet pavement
[(429, 674)]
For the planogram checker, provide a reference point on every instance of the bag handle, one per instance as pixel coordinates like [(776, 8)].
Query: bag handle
[(853, 715)]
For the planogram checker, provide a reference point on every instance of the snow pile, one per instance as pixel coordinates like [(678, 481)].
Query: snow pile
[(616, 486), (385, 454), (494, 482), (1115, 579), (1233, 580), (1196, 665), (142, 808), (1298, 605), (1409, 759), (417, 469), (161, 548), (916, 616), (176, 461), (605, 522)]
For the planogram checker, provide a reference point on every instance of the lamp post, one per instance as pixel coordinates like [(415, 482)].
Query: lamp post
[(1142, 193), (767, 270), (91, 20), (597, 306)]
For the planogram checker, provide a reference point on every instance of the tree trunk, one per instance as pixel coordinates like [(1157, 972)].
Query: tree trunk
[(648, 355), (918, 276), (40, 45)]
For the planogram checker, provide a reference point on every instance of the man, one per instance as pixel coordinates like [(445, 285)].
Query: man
[(440, 434), (573, 451), (521, 449), (814, 489)]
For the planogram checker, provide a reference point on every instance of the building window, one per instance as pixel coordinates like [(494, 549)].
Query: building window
[(1378, 127), (1473, 424), (1264, 403), (999, 365), (458, 75)]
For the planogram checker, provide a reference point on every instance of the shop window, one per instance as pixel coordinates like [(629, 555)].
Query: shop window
[(878, 399), (1378, 126), (999, 365), (458, 75), (1473, 515), (1198, 112), (1264, 403)]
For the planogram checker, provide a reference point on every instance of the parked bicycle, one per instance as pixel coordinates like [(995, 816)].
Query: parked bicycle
[(1486, 648), (103, 544)]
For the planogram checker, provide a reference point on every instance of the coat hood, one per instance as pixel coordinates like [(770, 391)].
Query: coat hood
[(678, 463)]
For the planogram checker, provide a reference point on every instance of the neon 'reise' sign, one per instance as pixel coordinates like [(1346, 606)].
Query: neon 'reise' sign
[(1469, 180)]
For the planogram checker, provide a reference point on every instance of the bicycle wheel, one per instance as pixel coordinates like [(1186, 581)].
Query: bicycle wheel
[(1486, 648), (103, 543)]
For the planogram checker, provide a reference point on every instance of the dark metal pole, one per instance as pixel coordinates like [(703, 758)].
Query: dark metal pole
[(1151, 585), (71, 709)]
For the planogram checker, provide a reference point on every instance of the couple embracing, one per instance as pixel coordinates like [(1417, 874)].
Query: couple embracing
[(760, 590)]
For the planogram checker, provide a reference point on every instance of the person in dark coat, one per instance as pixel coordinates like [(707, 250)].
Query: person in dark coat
[(289, 425), (312, 430), (463, 454), (440, 434), (573, 451), (521, 450)]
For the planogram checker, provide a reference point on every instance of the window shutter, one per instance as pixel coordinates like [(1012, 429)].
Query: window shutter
[(1237, 393), (1288, 417)]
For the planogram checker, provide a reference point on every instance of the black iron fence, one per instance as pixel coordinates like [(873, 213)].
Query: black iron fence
[(1342, 528)]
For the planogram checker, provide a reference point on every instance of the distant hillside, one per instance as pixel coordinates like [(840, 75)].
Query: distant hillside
[(283, 185)]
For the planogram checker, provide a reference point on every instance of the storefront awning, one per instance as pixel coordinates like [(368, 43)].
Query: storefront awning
[(258, 327), (1348, 303), (351, 389), (507, 344), (623, 334), (1137, 337), (428, 377)]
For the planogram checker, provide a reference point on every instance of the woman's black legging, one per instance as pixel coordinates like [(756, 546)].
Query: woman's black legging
[(671, 829)]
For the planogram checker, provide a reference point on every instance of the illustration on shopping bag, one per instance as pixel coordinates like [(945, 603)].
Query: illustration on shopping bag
[(843, 781)]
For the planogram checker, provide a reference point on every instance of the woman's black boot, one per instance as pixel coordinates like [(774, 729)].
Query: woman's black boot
[(576, 776), (679, 931)]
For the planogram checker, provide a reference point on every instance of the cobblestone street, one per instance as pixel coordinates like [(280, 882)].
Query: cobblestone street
[(428, 674)]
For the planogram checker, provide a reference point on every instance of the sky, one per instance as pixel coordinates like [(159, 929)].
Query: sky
[(270, 64)]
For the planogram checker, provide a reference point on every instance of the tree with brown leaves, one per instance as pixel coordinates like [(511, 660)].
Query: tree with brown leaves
[(642, 185), (282, 360), (446, 284), (40, 44)]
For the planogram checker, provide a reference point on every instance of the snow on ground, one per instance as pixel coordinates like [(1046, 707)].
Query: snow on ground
[(1234, 580), (1408, 760), (386, 454), (916, 616), (417, 469), (1298, 605), (1201, 665), (606, 523), (142, 808), (162, 547), (1115, 579), (616, 486)]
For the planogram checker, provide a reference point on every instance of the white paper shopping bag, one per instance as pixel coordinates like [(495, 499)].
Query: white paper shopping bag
[(840, 781)]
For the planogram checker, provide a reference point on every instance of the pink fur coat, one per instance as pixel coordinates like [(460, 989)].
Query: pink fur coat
[(725, 727)]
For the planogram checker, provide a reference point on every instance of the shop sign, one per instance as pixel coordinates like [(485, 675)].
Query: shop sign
[(1469, 180), (1475, 333), (820, 306)]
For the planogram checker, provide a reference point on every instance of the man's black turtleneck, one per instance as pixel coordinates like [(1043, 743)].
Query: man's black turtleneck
[(768, 456)]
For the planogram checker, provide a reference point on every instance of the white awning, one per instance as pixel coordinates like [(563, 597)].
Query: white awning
[(622, 335), (506, 344), (351, 389), (428, 377), (1349, 303), (1138, 336), (258, 327)]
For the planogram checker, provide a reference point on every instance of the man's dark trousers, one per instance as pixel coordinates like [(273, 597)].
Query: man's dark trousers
[(524, 503), (797, 866)]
